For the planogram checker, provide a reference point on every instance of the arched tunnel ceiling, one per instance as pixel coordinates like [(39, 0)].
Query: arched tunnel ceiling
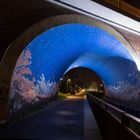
[(64, 47), (50, 55), (111, 69), (66, 43), (25, 38)]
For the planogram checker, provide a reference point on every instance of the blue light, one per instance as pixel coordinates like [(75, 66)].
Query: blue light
[(51, 54), (55, 50)]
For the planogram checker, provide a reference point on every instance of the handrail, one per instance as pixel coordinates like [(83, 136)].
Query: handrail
[(109, 107), (126, 119), (132, 123), (132, 111), (133, 118)]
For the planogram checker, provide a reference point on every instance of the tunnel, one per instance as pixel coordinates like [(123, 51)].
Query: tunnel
[(49, 49), (80, 81)]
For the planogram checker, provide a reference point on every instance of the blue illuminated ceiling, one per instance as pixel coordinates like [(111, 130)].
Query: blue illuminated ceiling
[(73, 45), (53, 53)]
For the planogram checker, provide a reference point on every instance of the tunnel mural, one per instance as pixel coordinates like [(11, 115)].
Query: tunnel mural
[(54, 52)]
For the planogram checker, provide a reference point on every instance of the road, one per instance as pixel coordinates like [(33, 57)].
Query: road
[(60, 120)]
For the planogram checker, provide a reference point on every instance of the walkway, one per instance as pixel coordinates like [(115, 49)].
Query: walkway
[(91, 130), (60, 120)]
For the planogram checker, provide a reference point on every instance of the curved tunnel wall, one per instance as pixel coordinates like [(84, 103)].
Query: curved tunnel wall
[(48, 56), (51, 54)]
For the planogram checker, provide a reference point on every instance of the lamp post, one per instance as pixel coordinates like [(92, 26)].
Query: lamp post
[(68, 84)]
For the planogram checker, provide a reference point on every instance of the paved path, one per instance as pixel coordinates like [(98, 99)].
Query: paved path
[(91, 130), (60, 120)]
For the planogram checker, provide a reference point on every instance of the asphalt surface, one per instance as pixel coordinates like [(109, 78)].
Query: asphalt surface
[(91, 130), (60, 120)]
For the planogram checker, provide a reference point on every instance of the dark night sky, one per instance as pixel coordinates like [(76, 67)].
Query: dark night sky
[(84, 74)]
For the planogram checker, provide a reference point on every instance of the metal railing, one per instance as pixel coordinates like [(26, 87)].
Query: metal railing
[(132, 111), (114, 123)]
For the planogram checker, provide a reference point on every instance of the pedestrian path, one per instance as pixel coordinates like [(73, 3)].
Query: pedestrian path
[(91, 130), (69, 119)]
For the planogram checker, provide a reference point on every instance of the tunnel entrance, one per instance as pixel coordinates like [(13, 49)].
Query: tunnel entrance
[(72, 46), (41, 58), (80, 81)]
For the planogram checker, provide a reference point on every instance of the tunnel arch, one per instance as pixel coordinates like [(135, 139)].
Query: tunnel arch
[(111, 66), (83, 78), (34, 31), (14, 50)]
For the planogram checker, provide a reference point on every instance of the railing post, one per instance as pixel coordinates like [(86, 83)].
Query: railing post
[(122, 126), (119, 122)]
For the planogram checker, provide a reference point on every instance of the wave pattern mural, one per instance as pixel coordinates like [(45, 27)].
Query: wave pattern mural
[(51, 54)]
